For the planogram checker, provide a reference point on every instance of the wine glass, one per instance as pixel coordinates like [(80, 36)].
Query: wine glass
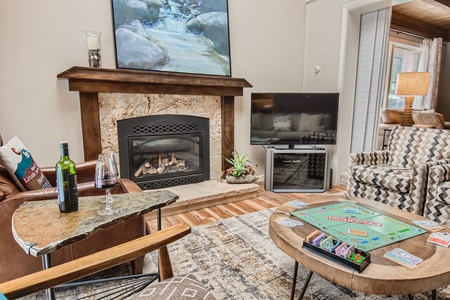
[(106, 177)]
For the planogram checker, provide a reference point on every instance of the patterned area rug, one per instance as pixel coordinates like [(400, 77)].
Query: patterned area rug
[(236, 259)]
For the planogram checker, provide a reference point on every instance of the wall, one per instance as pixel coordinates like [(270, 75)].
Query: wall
[(331, 42), (41, 39)]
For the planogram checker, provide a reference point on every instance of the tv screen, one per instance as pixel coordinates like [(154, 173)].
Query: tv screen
[(294, 118)]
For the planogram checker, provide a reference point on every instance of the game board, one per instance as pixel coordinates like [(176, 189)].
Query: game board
[(362, 227)]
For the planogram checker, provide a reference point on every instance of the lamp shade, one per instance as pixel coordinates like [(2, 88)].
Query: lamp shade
[(413, 84)]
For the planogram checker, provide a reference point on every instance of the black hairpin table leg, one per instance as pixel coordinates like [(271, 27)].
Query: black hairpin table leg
[(305, 285), (294, 281)]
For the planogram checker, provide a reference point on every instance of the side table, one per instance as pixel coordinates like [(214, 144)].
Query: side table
[(39, 227)]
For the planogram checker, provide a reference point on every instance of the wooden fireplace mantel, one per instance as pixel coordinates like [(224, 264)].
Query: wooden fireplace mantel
[(91, 81)]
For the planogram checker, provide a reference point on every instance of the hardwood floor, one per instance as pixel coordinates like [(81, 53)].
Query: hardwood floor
[(264, 200)]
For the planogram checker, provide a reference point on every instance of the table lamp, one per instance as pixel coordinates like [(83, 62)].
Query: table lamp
[(409, 85)]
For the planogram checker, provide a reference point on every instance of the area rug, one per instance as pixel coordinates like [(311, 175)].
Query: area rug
[(236, 259)]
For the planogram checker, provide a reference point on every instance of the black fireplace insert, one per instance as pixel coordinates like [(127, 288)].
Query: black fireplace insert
[(164, 150)]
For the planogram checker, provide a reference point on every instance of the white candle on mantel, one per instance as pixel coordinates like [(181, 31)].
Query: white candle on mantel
[(92, 43)]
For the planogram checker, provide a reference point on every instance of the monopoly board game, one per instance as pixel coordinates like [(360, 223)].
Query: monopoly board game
[(362, 227)]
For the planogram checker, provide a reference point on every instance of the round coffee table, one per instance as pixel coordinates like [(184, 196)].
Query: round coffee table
[(381, 276)]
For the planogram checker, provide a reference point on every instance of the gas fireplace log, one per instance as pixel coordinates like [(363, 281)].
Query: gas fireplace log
[(141, 168)]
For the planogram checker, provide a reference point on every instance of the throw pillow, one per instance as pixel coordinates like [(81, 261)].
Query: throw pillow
[(19, 163), (441, 118), (309, 123), (392, 116), (426, 117), (180, 287), (282, 123)]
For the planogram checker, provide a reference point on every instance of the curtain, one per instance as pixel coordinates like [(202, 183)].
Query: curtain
[(432, 50), (370, 78)]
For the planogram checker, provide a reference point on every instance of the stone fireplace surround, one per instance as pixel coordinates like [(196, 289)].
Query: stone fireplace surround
[(107, 95)]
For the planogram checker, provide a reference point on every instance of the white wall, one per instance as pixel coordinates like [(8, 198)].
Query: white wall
[(41, 39), (267, 44), (38, 41), (331, 42)]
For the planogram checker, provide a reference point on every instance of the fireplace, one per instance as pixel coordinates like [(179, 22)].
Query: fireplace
[(161, 151)]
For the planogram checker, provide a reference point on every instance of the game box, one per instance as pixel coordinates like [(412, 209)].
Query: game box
[(341, 260)]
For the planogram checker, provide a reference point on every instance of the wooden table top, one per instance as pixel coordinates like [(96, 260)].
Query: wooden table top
[(40, 228), (381, 276)]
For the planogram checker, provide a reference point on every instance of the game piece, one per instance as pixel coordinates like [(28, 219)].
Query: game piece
[(288, 222), (313, 235), (357, 232), (318, 239), (440, 238), (340, 250), (349, 251), (357, 258), (327, 243)]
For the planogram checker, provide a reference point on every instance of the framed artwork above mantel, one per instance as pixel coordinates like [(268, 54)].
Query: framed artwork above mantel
[(183, 36)]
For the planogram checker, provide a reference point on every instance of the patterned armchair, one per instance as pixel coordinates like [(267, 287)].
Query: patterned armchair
[(437, 205), (398, 176)]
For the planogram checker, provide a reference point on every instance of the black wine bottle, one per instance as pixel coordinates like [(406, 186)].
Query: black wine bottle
[(66, 181)]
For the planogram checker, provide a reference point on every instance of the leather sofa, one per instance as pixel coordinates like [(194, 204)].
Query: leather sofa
[(14, 262)]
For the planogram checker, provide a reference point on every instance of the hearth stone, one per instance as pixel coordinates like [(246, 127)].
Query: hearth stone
[(206, 194)]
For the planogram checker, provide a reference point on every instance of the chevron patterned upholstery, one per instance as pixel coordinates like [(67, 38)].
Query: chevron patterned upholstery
[(398, 176), (437, 205)]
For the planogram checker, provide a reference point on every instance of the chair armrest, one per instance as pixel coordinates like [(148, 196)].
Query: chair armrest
[(84, 189), (85, 172), (93, 263), (129, 186), (368, 158), (437, 175)]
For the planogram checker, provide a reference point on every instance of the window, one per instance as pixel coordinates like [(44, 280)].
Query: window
[(404, 58)]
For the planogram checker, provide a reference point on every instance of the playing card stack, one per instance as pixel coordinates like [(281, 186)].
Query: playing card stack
[(428, 225), (296, 204), (287, 222), (440, 238), (403, 258)]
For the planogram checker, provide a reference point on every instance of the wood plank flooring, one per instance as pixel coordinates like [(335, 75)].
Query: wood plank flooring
[(264, 200)]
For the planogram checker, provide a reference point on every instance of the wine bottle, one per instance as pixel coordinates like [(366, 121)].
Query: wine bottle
[(66, 181)]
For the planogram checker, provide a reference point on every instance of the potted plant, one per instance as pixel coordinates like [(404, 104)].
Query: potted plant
[(241, 171)]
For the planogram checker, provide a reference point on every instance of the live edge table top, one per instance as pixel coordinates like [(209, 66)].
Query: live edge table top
[(381, 276), (40, 228)]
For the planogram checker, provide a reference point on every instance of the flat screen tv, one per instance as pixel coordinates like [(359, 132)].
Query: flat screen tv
[(294, 118)]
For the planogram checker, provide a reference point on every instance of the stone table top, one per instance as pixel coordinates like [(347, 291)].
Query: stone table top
[(40, 228)]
